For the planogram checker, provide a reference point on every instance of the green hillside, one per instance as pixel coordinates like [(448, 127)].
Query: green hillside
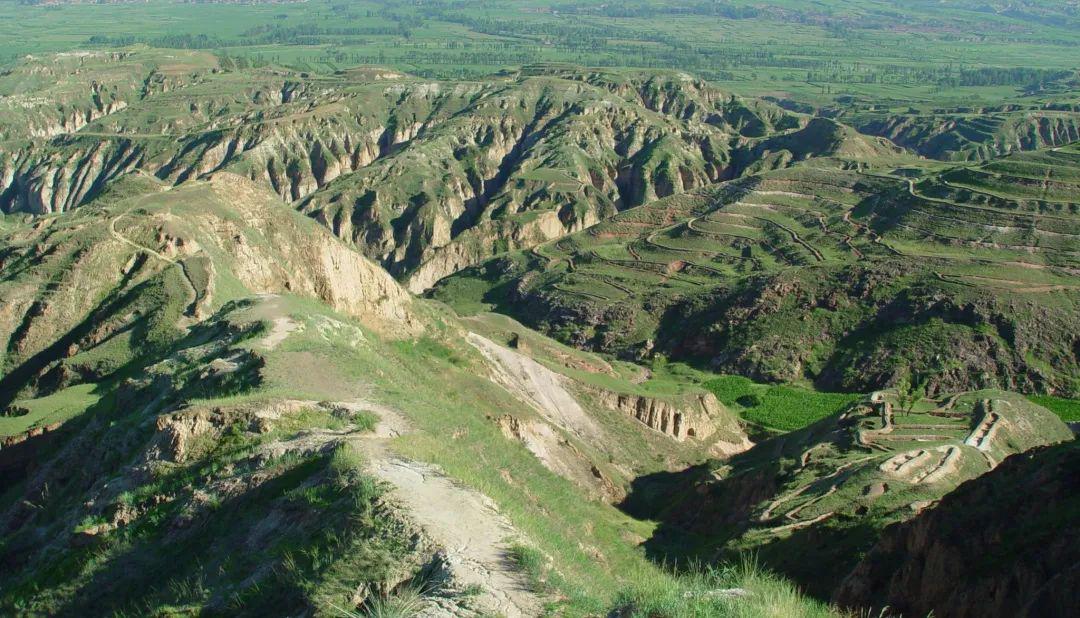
[(441, 309), (851, 279)]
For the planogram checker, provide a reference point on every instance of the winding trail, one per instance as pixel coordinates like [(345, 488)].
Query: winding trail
[(840, 471), (127, 241), (463, 523), (193, 304), (470, 530)]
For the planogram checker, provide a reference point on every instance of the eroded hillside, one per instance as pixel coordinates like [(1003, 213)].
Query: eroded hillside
[(217, 394), (1023, 514), (809, 503), (966, 277), (425, 177), (218, 406)]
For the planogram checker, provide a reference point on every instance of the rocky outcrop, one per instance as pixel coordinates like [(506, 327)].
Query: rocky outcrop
[(1006, 544), (425, 177), (52, 182), (696, 416)]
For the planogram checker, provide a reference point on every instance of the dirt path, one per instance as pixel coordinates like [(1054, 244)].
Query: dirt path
[(838, 475), (465, 524), (470, 530), (917, 195), (193, 304), (803, 524), (795, 238), (129, 242), (866, 437)]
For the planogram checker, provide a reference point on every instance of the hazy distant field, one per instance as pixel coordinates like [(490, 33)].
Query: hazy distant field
[(910, 51)]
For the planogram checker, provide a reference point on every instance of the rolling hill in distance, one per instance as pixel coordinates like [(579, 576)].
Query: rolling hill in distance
[(657, 309)]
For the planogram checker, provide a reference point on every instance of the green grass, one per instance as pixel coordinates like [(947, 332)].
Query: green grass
[(737, 591), (55, 408), (403, 603), (1067, 409), (805, 61), (777, 407)]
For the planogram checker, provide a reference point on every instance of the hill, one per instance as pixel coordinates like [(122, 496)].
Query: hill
[(426, 177), (363, 341), (811, 502), (854, 280), (1016, 525), (192, 426)]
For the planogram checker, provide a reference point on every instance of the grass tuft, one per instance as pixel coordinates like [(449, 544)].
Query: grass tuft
[(740, 590)]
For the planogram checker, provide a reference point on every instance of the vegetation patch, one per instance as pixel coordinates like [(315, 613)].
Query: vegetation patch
[(777, 407)]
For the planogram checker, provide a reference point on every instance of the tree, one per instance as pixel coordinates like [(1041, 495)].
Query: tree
[(909, 391)]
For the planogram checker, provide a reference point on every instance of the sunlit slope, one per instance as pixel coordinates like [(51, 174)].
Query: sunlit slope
[(426, 177), (848, 278)]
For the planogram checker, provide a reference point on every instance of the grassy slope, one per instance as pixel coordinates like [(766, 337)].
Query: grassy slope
[(202, 507), (453, 432), (701, 274)]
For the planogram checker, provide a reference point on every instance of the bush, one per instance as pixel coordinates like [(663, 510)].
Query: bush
[(752, 400)]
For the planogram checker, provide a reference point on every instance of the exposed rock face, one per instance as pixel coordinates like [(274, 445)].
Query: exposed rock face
[(661, 415), (301, 259), (560, 456), (538, 386), (697, 416), (425, 177), (1005, 544)]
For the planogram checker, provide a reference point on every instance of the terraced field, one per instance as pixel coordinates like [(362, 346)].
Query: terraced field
[(989, 225), (813, 496), (698, 273), (965, 134)]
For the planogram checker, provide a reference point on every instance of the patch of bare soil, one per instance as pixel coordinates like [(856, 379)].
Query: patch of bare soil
[(537, 386)]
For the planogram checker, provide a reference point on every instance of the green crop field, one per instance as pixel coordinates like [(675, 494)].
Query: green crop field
[(819, 53), (777, 407)]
